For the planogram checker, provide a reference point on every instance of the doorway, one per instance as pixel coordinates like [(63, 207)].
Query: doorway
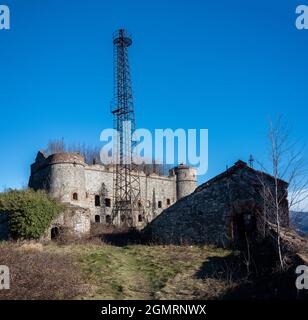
[(54, 233)]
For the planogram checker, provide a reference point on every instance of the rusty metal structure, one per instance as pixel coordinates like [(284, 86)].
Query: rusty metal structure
[(127, 207)]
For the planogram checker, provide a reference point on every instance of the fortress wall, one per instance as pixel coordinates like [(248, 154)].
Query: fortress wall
[(157, 189), (227, 209), (64, 175), (61, 174), (67, 179), (99, 181), (198, 218), (74, 221), (40, 179)]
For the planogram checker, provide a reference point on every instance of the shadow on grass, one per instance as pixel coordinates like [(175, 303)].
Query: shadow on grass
[(226, 268), (123, 238), (261, 281)]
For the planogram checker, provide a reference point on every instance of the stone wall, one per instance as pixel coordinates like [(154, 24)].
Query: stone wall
[(74, 221), (67, 177), (186, 180), (210, 214), (157, 192)]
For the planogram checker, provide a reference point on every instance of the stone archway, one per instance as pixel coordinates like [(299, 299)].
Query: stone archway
[(54, 232)]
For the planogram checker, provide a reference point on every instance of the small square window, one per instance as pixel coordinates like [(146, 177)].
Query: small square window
[(97, 201), (108, 219), (108, 202)]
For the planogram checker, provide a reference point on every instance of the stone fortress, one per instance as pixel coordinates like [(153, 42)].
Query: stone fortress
[(228, 208), (88, 190), (223, 210)]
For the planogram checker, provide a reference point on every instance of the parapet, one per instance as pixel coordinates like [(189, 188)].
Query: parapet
[(184, 172), (66, 157), (185, 180), (42, 162)]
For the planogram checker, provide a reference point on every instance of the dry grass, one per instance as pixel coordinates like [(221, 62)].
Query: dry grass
[(92, 270), (151, 272), (96, 270), (37, 274)]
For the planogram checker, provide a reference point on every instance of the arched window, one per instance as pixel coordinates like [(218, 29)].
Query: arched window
[(97, 200), (107, 202), (140, 218), (75, 196), (159, 204), (97, 218), (108, 219), (168, 202), (54, 233)]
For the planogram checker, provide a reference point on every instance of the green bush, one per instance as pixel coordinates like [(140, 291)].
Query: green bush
[(30, 212)]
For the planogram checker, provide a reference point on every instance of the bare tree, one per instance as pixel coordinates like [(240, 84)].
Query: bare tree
[(92, 155), (288, 172), (55, 146)]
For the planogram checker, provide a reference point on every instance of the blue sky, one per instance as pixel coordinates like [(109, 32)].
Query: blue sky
[(222, 65)]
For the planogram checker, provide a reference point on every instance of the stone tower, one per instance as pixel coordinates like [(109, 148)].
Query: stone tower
[(185, 180), (61, 174)]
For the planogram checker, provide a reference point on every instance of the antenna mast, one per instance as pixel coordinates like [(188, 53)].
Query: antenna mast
[(126, 181)]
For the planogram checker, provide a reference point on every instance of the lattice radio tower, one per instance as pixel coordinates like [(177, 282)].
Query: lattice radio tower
[(126, 182)]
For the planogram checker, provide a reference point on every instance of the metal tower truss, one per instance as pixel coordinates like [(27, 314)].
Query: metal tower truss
[(127, 206)]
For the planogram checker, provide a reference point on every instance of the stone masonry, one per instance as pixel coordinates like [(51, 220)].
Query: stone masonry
[(221, 211), (67, 177)]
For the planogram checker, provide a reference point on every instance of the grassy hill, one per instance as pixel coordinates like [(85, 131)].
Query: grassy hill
[(110, 272), (101, 271)]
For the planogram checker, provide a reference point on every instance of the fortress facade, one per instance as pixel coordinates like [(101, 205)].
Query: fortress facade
[(88, 190)]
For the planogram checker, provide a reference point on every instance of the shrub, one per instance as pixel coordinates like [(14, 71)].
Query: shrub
[(30, 212)]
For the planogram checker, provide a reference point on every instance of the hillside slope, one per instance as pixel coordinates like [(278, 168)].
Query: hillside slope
[(102, 271)]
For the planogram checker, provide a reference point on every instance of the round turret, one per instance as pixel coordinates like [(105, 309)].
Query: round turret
[(67, 177), (186, 178)]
